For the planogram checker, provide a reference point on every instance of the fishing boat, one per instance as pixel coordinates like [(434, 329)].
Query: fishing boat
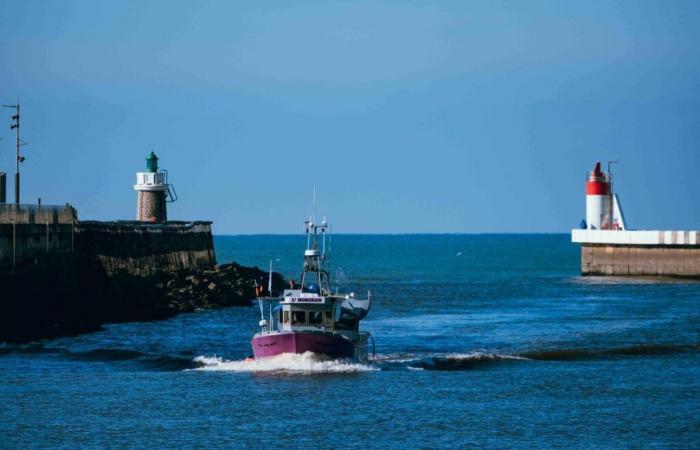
[(309, 317)]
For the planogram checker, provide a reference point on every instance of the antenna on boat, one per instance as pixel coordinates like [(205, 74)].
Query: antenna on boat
[(314, 204), (330, 251), (308, 233), (323, 230), (269, 288)]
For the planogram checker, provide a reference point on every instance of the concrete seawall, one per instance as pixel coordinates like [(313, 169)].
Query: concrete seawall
[(28, 231), (37, 214), (22, 241), (136, 248), (126, 247), (638, 260)]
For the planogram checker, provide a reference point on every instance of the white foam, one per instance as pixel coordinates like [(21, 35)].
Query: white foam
[(396, 358), (481, 355), (285, 363)]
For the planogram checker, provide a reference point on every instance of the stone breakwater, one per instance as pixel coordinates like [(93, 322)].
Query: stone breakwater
[(68, 278), (226, 285)]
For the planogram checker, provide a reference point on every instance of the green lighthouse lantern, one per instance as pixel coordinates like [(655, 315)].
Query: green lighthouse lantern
[(152, 163)]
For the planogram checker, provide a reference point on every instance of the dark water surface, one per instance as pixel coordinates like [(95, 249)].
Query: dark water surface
[(482, 340)]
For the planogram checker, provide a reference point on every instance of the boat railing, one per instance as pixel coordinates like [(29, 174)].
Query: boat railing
[(364, 339)]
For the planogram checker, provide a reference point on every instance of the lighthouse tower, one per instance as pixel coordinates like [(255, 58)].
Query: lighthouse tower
[(603, 210), (597, 199), (153, 192)]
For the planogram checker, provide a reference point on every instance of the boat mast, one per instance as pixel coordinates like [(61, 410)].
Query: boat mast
[(313, 259), (330, 251), (269, 290), (314, 205)]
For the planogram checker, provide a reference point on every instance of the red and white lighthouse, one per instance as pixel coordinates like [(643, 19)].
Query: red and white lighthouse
[(603, 210), (597, 199)]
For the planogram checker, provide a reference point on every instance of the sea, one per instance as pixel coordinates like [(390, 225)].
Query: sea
[(481, 341)]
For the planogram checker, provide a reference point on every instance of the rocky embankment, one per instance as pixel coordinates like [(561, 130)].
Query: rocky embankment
[(226, 285)]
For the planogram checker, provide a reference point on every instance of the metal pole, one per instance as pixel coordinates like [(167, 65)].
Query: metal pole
[(610, 196), (17, 159), (3, 188), (47, 236), (14, 242), (611, 207), (314, 206)]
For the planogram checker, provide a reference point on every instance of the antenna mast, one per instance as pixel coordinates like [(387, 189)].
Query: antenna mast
[(314, 204), (611, 197), (18, 159)]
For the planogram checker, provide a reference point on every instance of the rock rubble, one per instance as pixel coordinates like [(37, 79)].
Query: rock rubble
[(226, 285)]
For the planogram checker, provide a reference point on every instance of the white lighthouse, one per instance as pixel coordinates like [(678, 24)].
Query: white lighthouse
[(602, 206), (154, 192)]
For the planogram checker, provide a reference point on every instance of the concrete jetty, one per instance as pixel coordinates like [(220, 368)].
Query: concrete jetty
[(608, 247)]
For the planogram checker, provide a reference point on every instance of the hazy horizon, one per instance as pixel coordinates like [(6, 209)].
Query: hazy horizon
[(302, 234), (410, 117)]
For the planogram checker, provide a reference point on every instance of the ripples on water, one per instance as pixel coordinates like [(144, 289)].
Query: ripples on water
[(484, 341)]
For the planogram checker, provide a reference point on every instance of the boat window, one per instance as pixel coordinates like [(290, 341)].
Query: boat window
[(285, 316), (315, 317), (298, 317)]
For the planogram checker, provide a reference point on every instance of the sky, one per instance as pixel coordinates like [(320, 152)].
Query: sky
[(408, 116)]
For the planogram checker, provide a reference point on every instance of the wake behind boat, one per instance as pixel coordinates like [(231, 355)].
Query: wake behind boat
[(311, 318)]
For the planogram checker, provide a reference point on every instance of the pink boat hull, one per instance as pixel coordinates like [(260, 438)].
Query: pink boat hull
[(331, 345)]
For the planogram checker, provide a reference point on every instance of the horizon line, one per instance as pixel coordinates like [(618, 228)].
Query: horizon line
[(406, 234)]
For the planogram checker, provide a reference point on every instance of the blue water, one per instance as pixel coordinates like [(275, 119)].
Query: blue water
[(482, 341)]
